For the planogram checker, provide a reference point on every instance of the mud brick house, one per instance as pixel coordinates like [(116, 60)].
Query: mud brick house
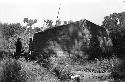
[(79, 38)]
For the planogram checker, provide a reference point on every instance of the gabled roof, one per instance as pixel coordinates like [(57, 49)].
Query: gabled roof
[(80, 23)]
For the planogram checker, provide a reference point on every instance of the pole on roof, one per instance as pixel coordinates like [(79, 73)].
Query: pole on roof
[(58, 13)]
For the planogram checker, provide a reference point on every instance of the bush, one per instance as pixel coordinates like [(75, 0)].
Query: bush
[(61, 67), (11, 71)]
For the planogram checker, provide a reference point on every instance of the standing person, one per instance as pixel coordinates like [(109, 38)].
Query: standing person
[(18, 47)]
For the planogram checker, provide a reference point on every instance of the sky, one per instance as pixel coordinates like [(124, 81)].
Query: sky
[(14, 11)]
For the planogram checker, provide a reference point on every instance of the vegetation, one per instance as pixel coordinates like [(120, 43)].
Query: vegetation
[(23, 70), (12, 70), (115, 23), (9, 30)]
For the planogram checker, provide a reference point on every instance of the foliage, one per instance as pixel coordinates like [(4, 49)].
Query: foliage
[(115, 22), (12, 70), (37, 29), (65, 22), (48, 22), (29, 22), (70, 21), (58, 22), (8, 30)]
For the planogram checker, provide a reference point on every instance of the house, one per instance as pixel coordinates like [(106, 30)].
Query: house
[(76, 39)]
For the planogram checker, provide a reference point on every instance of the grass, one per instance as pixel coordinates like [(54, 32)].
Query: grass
[(20, 70), (12, 70), (97, 69)]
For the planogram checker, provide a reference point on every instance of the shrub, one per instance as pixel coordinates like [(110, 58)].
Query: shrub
[(10, 71)]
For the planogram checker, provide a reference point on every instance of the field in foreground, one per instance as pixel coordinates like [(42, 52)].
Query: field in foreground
[(12, 70)]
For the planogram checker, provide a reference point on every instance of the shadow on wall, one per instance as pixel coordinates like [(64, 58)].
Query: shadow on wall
[(71, 37)]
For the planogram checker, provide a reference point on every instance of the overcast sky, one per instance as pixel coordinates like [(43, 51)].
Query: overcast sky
[(13, 11)]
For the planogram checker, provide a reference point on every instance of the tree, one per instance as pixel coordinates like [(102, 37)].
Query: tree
[(37, 29), (30, 22), (58, 22), (115, 23), (70, 21), (65, 22), (9, 30), (48, 22)]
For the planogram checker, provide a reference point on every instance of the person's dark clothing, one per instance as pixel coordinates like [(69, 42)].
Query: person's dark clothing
[(18, 47), (30, 45)]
